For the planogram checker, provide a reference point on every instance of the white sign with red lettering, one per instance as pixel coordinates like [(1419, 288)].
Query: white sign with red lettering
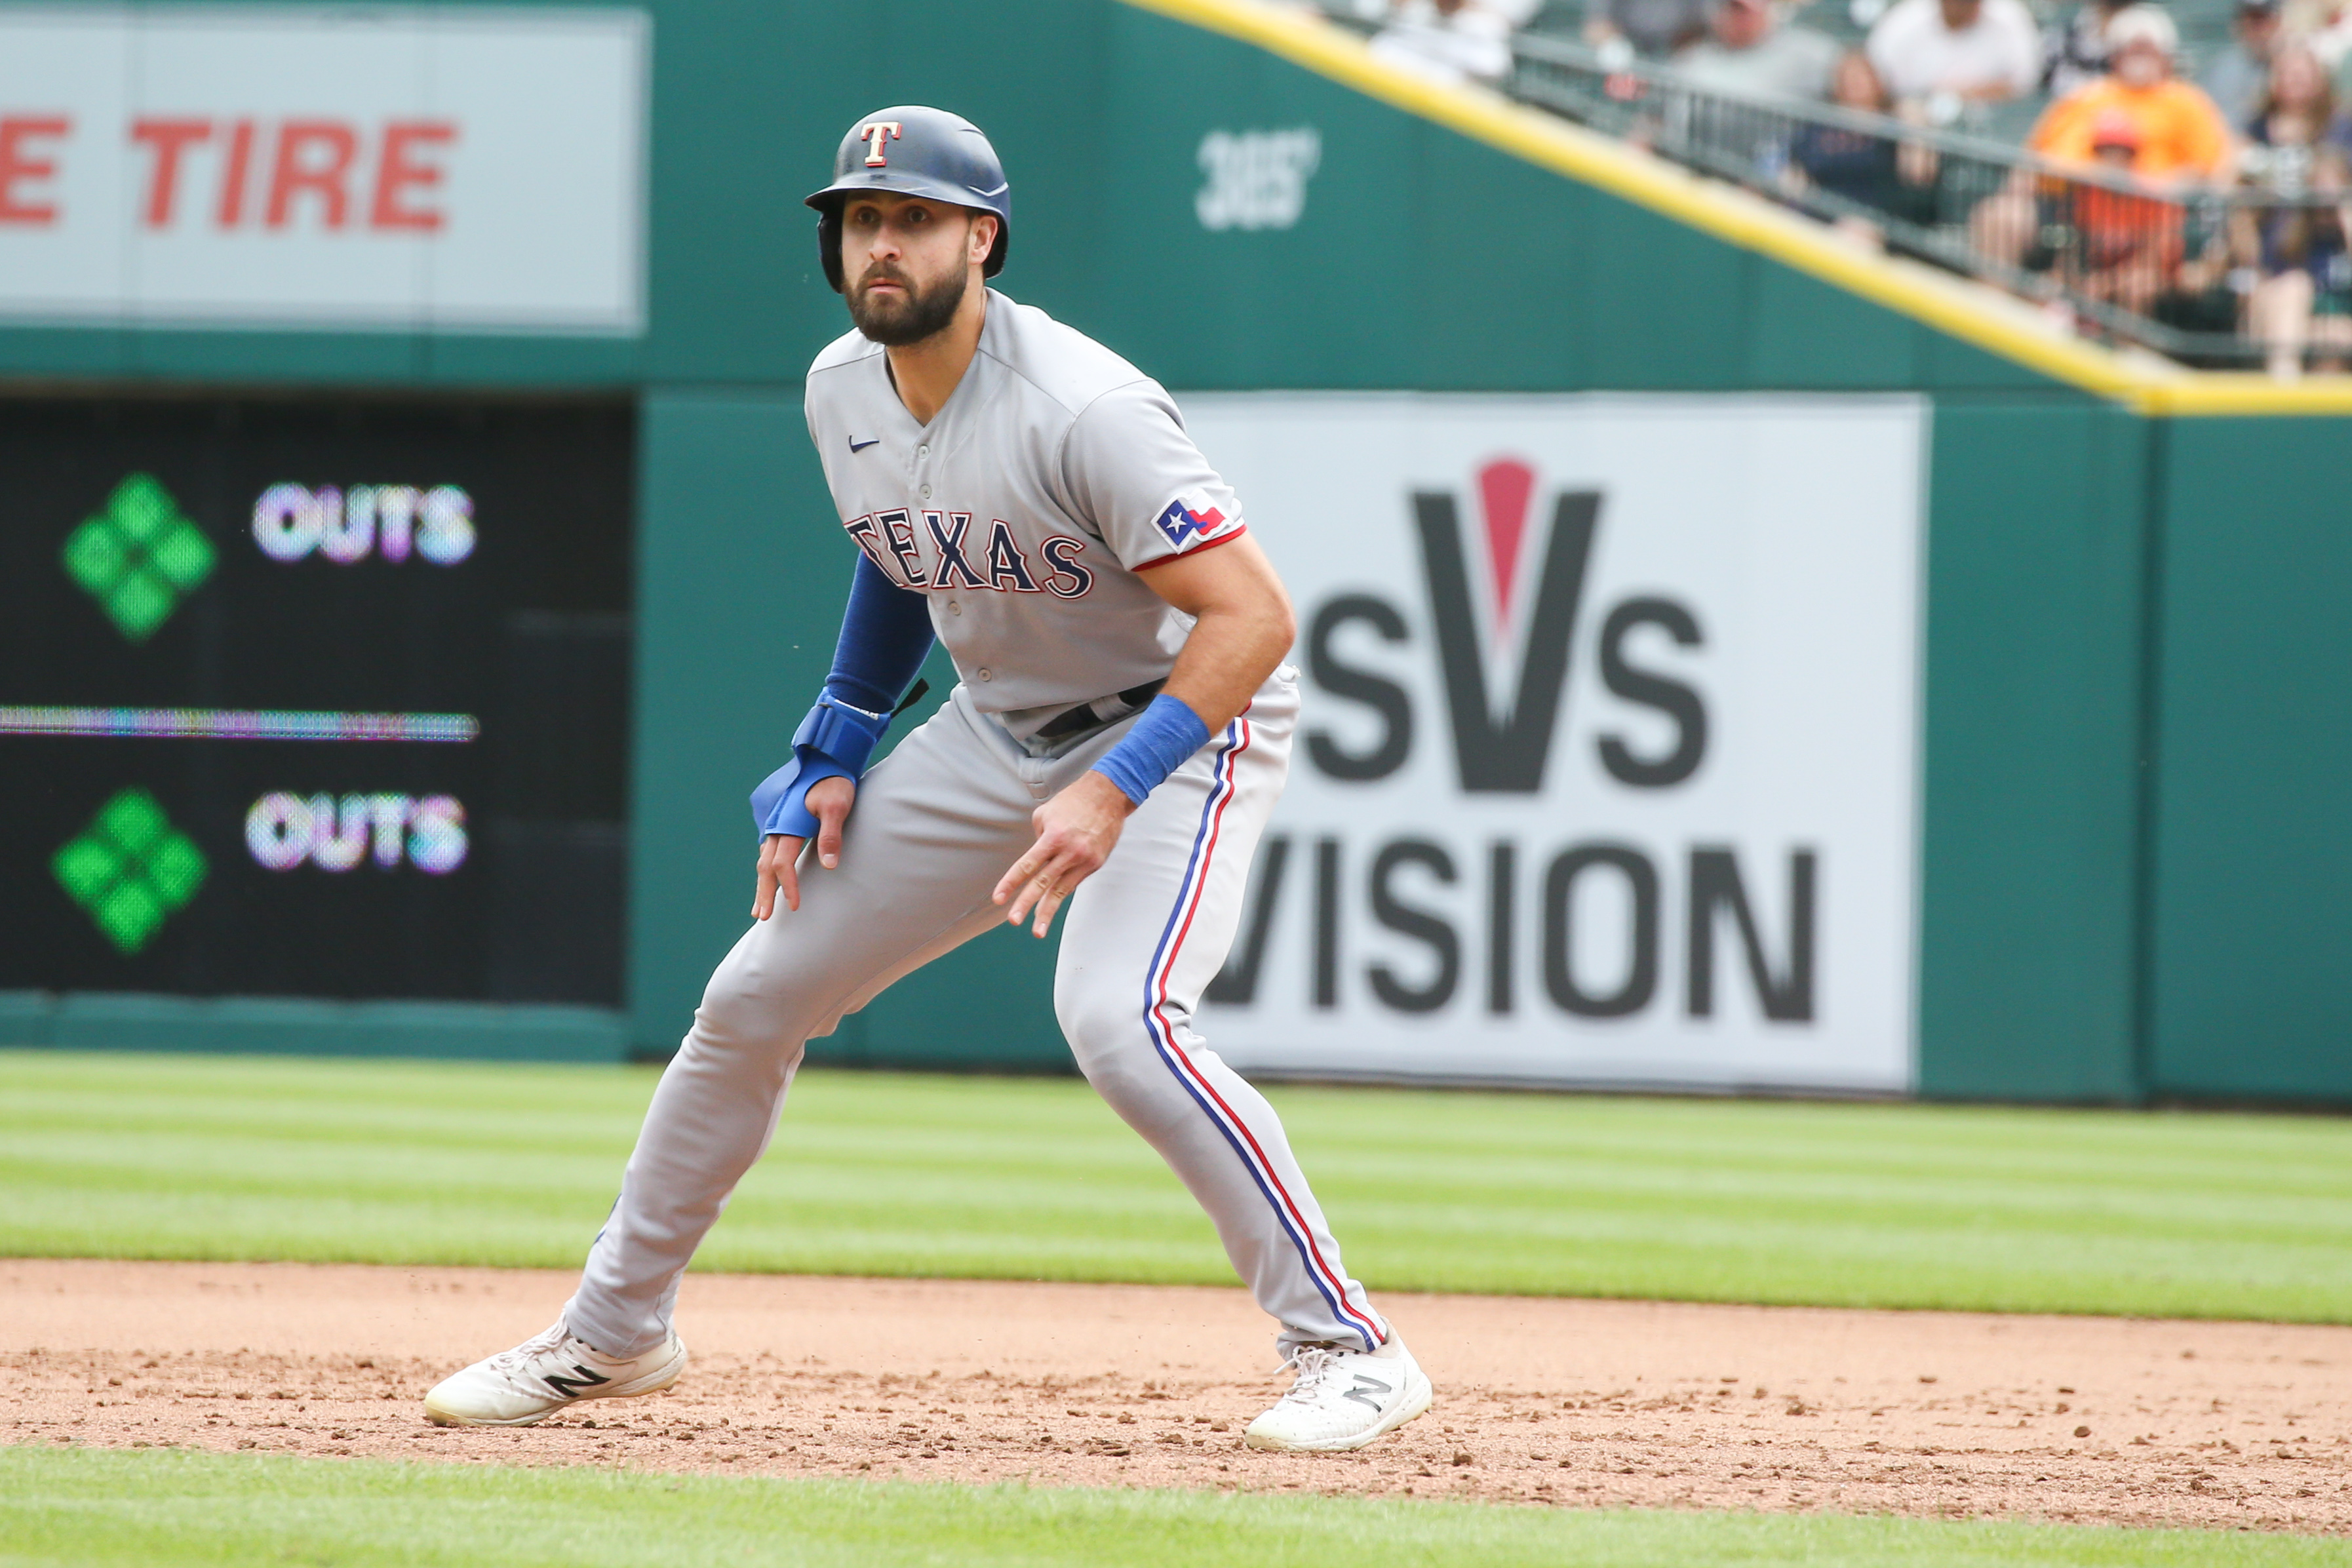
[(315, 168)]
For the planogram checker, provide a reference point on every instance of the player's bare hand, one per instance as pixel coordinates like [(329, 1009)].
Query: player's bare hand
[(1076, 832), (779, 852)]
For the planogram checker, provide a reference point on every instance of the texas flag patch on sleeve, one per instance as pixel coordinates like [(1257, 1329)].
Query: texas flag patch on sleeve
[(1190, 517)]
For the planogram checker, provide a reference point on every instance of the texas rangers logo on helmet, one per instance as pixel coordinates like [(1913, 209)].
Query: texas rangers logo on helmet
[(1191, 512), (875, 133)]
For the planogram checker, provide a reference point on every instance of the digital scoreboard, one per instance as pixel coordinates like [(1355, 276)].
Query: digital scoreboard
[(319, 696)]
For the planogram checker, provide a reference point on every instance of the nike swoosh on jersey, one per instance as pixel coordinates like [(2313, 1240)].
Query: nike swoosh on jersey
[(857, 446)]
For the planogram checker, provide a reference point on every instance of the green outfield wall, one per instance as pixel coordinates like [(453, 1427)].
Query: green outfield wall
[(2136, 752), (2248, 925)]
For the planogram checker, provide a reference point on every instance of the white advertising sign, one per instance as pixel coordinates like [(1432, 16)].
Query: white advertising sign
[(1607, 772), (376, 168)]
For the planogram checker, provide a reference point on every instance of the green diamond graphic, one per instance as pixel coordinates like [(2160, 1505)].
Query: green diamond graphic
[(184, 555), (142, 507), (86, 868), (176, 870), (138, 556), (142, 601), (129, 915), (129, 868), (95, 557), (133, 821)]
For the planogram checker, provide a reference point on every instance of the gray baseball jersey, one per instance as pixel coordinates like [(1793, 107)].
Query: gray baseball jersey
[(1055, 474), (1025, 508)]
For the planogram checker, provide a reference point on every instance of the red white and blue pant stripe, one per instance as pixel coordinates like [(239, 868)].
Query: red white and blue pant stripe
[(1293, 1207)]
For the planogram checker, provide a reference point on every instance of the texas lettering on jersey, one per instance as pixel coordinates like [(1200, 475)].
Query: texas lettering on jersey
[(946, 556), (942, 550)]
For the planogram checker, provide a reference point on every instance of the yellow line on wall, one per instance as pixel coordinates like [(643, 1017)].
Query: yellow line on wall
[(1969, 311)]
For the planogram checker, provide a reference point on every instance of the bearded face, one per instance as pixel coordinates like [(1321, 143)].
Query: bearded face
[(894, 309), (907, 266)]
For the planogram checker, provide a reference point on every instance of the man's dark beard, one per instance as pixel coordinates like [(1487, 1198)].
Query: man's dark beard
[(923, 313)]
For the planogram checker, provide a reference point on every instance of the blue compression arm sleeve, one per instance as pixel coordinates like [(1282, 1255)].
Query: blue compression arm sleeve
[(886, 631), (1167, 733)]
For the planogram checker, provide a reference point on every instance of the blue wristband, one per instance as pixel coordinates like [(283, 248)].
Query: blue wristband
[(1158, 744), (834, 741)]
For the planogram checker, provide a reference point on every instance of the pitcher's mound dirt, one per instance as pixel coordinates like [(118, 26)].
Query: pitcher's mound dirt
[(1565, 1402)]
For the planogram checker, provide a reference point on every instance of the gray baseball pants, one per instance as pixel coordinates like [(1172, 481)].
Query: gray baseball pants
[(935, 826)]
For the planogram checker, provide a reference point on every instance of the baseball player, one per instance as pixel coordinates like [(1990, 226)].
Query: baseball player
[(1119, 731)]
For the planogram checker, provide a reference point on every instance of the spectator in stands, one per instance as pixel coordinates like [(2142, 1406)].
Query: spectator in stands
[(1940, 54), (2139, 120), (2236, 78), (1451, 40), (2295, 114), (2295, 272), (2126, 248), (1747, 52), (2302, 295), (1869, 170), (2182, 134), (1656, 27), (2078, 51)]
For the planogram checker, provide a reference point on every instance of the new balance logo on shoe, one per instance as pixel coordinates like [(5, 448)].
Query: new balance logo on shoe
[(570, 1387), (1386, 1390), (547, 1373)]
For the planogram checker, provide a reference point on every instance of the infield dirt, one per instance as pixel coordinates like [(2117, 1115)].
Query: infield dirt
[(1575, 1403)]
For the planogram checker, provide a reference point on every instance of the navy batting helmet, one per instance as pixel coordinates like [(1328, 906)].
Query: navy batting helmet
[(915, 152)]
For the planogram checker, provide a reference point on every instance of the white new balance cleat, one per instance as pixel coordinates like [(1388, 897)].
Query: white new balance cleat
[(543, 1374), (1342, 1400)]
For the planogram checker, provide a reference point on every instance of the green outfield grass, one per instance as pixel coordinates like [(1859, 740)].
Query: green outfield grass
[(167, 1510), (1895, 1205)]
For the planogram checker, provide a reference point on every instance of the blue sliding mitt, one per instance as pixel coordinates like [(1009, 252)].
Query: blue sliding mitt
[(885, 630), (833, 743)]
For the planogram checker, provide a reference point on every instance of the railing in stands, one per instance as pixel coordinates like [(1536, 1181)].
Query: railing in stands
[(2220, 275)]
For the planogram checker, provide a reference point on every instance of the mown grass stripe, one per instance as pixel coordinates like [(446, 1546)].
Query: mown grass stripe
[(180, 1509), (1838, 1205)]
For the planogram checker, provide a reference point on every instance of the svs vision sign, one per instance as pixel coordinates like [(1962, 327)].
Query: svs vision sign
[(1608, 770)]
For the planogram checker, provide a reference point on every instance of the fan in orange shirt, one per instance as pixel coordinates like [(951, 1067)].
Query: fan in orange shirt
[(2180, 130), (2138, 122)]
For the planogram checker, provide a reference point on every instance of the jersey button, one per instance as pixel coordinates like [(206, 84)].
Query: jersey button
[(986, 675), (954, 607), (922, 451), (927, 492)]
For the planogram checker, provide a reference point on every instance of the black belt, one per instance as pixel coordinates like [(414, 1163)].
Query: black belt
[(1085, 716)]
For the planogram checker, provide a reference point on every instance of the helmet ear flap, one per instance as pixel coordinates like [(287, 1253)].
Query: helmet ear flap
[(828, 243)]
